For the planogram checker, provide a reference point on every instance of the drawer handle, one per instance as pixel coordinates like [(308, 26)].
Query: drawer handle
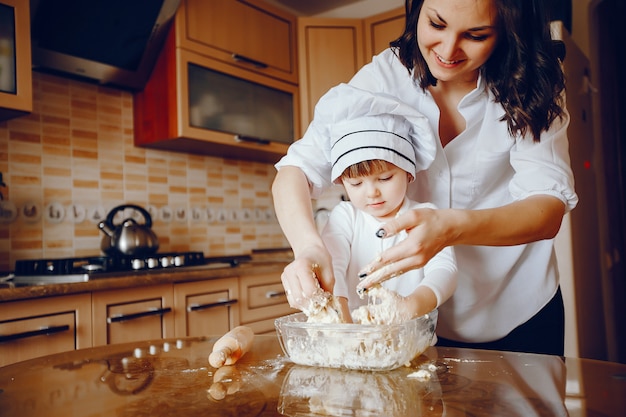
[(246, 60), (252, 139), (45, 331), (274, 294), (127, 317), (225, 303)]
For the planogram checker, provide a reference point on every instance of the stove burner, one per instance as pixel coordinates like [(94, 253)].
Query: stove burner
[(83, 269)]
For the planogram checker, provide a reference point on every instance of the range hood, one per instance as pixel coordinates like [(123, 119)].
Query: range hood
[(111, 42)]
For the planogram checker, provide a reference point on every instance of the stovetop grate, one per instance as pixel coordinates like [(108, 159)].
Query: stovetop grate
[(101, 264)]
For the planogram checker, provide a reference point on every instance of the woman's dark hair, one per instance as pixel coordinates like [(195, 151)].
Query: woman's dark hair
[(523, 72)]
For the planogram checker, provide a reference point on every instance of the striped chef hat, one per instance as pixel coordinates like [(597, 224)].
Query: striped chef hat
[(366, 126)]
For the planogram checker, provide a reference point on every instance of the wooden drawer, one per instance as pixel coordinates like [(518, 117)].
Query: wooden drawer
[(262, 298), (132, 314), (33, 328), (206, 308)]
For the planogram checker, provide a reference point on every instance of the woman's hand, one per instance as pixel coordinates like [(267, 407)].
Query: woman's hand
[(428, 232), (308, 272)]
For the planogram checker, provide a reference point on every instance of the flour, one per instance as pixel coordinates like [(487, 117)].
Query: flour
[(323, 307), (381, 308)]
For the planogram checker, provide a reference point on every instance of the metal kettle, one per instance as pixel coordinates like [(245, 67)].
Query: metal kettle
[(129, 237)]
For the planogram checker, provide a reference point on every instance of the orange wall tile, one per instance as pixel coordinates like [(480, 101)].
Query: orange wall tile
[(76, 149)]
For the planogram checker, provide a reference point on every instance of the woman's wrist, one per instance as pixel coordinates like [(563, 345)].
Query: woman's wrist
[(455, 224)]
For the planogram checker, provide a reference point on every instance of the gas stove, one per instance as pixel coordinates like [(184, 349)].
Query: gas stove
[(67, 270)]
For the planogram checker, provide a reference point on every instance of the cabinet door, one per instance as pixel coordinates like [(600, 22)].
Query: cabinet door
[(263, 299), (206, 308), (167, 111), (330, 51), (33, 328), (16, 94), (131, 315), (248, 34), (382, 29)]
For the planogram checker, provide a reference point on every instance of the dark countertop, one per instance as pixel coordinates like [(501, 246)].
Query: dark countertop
[(134, 279), (173, 377)]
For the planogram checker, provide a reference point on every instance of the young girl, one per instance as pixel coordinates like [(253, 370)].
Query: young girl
[(373, 154)]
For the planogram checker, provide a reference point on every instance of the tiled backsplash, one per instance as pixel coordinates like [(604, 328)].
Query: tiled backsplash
[(75, 154)]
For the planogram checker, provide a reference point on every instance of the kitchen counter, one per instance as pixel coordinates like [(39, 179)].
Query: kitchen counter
[(144, 278), (173, 377)]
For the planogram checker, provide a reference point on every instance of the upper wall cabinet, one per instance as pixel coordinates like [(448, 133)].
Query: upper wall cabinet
[(198, 100), (16, 91), (330, 51), (382, 29), (248, 34)]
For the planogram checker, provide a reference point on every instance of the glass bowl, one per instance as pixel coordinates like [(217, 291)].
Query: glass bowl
[(365, 347)]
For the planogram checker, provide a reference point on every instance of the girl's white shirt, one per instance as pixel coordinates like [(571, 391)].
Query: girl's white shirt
[(498, 288), (350, 237)]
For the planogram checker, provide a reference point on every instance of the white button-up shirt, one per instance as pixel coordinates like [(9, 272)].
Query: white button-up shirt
[(498, 288)]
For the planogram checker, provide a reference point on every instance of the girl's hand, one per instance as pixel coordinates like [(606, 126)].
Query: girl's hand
[(428, 233), (308, 272), (388, 307)]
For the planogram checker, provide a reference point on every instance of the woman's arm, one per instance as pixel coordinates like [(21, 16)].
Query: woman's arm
[(312, 266), (534, 218)]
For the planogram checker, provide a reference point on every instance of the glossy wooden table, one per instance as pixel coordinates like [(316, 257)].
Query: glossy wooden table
[(173, 378)]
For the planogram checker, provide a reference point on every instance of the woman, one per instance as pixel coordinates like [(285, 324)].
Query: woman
[(486, 76)]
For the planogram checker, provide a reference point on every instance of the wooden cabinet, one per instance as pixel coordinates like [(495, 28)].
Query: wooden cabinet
[(33, 328), (262, 299), (206, 307), (330, 51), (164, 110), (247, 34), (225, 84), (16, 90), (198, 308), (381, 29), (130, 315)]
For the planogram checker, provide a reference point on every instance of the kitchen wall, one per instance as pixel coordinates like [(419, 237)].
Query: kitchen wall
[(73, 159)]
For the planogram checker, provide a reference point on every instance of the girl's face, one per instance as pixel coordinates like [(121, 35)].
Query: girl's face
[(379, 195), (456, 37)]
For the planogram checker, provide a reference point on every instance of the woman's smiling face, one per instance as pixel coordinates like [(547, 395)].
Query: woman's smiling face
[(456, 37)]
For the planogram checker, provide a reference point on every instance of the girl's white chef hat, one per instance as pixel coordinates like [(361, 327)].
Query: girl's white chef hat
[(365, 126)]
